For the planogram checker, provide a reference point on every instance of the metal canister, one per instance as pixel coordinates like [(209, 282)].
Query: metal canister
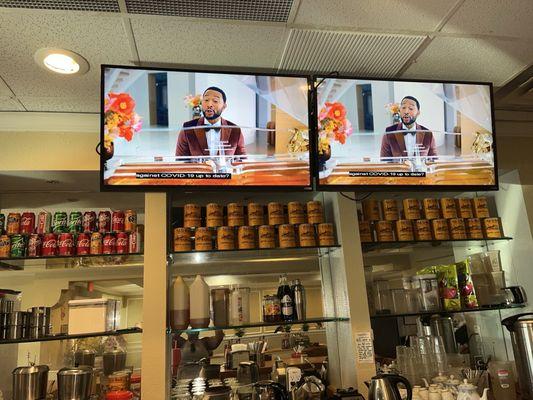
[(83, 244), (27, 223), (104, 221), (287, 236), (464, 208), (130, 221), (431, 208), (18, 246), (5, 246), (122, 242), (75, 222), (30, 382), (390, 210), (371, 210), (404, 230), (267, 237), (59, 222), (2, 223), (365, 231), (296, 213), (255, 214), (13, 224), (235, 214), (96, 243), (182, 239), (306, 235), (447, 208), (481, 207), (88, 221), (315, 212), (44, 222), (491, 227), (326, 235), (440, 229), (246, 237), (109, 243), (411, 209), (35, 245), (192, 216), (117, 221), (203, 239), (473, 228), (225, 238), (275, 213), (65, 244), (422, 228), (214, 215), (457, 228), (49, 248), (384, 231)]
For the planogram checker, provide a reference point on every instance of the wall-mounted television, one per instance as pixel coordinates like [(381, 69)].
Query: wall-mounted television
[(398, 134), (168, 128)]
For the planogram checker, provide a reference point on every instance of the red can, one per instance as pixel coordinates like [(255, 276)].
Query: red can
[(117, 221), (49, 247), (130, 220), (44, 222), (13, 224), (104, 221), (35, 245), (27, 223), (109, 245), (65, 244), (96, 243), (89, 221), (122, 243), (83, 244), (134, 243)]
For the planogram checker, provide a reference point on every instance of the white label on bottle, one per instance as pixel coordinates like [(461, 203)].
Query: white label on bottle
[(286, 305)]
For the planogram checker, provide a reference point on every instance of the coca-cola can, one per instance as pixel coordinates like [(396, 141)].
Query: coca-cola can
[(134, 245), (49, 247), (27, 223), (89, 221), (122, 243), (44, 222), (109, 244), (35, 245), (65, 244), (96, 243), (83, 244), (130, 220), (117, 221), (104, 221)]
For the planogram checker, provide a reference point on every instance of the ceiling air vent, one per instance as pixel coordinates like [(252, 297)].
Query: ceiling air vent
[(73, 5)]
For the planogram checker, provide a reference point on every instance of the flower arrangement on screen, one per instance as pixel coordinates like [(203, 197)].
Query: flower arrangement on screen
[(121, 120), (394, 110), (332, 125), (194, 102)]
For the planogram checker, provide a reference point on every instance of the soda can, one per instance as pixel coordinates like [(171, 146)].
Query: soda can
[(35, 245), (65, 244), (13, 224), (83, 244), (117, 221), (49, 247), (96, 243), (27, 223), (89, 221), (5, 246), (18, 246), (59, 223), (122, 243), (2, 223), (134, 243), (44, 222), (130, 221), (104, 221), (109, 244), (74, 222)]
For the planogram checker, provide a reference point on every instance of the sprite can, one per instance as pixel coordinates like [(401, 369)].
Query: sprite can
[(59, 223), (75, 222), (18, 246)]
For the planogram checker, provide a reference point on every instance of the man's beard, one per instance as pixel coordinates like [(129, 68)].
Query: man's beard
[(214, 116), (411, 121)]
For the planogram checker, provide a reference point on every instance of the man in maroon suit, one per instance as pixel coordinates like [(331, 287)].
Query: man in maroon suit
[(406, 136), (211, 135)]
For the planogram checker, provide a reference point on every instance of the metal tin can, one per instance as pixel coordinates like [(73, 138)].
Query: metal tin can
[(431, 208), (122, 242), (235, 214), (96, 243), (275, 214), (411, 209), (491, 226), (404, 230), (447, 208), (49, 248), (35, 245), (246, 237), (117, 221), (315, 212), (371, 211), (256, 215), (384, 231), (422, 230), (464, 208), (481, 207), (271, 308), (192, 216), (2, 223), (88, 221), (109, 244), (5, 246), (130, 221), (225, 238), (440, 229), (287, 236), (473, 228), (326, 236), (306, 235), (59, 222), (390, 210), (365, 231), (83, 244), (203, 239), (457, 228), (65, 244), (18, 246), (75, 222), (44, 222), (267, 237), (182, 239), (134, 242), (13, 224), (214, 215), (104, 221), (27, 223), (296, 213)]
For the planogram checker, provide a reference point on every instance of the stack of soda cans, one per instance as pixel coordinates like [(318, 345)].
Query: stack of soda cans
[(76, 233)]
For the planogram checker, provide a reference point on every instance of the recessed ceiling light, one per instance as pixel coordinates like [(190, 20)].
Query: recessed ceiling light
[(61, 61)]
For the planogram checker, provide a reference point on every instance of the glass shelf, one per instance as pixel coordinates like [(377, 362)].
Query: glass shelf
[(429, 313), (64, 336), (260, 324), (384, 247)]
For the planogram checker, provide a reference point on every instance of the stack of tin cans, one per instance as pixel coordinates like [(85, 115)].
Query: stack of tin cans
[(32, 324)]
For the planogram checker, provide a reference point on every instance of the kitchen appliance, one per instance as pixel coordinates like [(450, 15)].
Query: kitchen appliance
[(443, 326), (269, 390), (521, 330), (385, 387), (84, 357), (29, 383), (311, 389), (248, 372), (74, 383), (114, 360), (515, 294), (347, 394)]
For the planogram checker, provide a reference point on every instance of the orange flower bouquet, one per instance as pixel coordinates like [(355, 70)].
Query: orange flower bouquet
[(332, 125), (195, 103), (394, 110), (121, 120)]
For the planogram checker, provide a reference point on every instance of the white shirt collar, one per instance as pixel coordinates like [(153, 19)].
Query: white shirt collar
[(218, 123), (404, 127)]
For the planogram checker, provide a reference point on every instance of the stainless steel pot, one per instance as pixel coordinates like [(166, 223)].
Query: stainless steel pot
[(84, 357), (114, 360), (30, 383), (74, 383)]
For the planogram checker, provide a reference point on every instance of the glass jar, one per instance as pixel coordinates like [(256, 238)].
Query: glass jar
[(271, 308)]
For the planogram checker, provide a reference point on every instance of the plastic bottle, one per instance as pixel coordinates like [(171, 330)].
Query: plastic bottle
[(199, 303), (179, 304)]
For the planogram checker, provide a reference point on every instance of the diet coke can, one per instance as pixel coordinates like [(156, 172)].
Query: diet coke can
[(89, 221), (130, 220), (49, 248), (27, 223), (117, 221), (44, 222), (134, 243), (65, 244), (83, 244), (104, 221), (122, 243), (96, 243), (35, 245), (109, 244)]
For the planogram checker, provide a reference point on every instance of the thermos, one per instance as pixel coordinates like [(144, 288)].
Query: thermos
[(299, 300)]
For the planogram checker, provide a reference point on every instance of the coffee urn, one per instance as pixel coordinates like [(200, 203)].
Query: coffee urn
[(30, 383), (74, 383)]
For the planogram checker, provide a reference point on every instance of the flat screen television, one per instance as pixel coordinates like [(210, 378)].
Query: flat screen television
[(398, 134), (168, 128)]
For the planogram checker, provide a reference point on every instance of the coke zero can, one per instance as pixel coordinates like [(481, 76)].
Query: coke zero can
[(83, 244), (117, 221), (13, 223), (96, 243), (44, 222), (65, 244), (5, 246), (133, 243), (104, 221), (59, 223), (49, 245), (74, 222), (89, 221), (35, 245), (122, 243), (130, 220), (27, 223), (18, 246), (109, 244)]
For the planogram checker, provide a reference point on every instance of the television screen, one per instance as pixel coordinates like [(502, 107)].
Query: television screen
[(170, 128), (383, 133)]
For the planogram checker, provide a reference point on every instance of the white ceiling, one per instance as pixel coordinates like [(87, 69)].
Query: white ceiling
[(439, 39)]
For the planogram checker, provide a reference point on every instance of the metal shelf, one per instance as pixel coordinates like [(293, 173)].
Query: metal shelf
[(64, 336), (466, 310)]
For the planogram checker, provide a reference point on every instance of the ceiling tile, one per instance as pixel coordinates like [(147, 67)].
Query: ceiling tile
[(489, 60), (82, 5), (4, 90), (419, 15), (208, 43), (9, 104), (98, 38), (352, 53), (492, 17), (81, 103)]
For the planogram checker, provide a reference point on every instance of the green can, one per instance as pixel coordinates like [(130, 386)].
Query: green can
[(74, 222), (59, 223), (18, 246)]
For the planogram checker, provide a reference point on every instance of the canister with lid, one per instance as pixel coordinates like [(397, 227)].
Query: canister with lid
[(315, 212), (422, 228), (365, 231), (473, 228), (371, 210), (411, 209), (192, 216), (203, 239), (287, 236), (464, 208), (275, 214), (182, 239), (326, 235), (457, 229), (384, 231), (404, 230), (246, 237), (492, 228), (225, 238), (440, 229), (235, 214), (267, 237), (390, 210), (214, 215), (431, 208), (480, 207), (306, 235), (447, 208), (296, 213), (255, 214)]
